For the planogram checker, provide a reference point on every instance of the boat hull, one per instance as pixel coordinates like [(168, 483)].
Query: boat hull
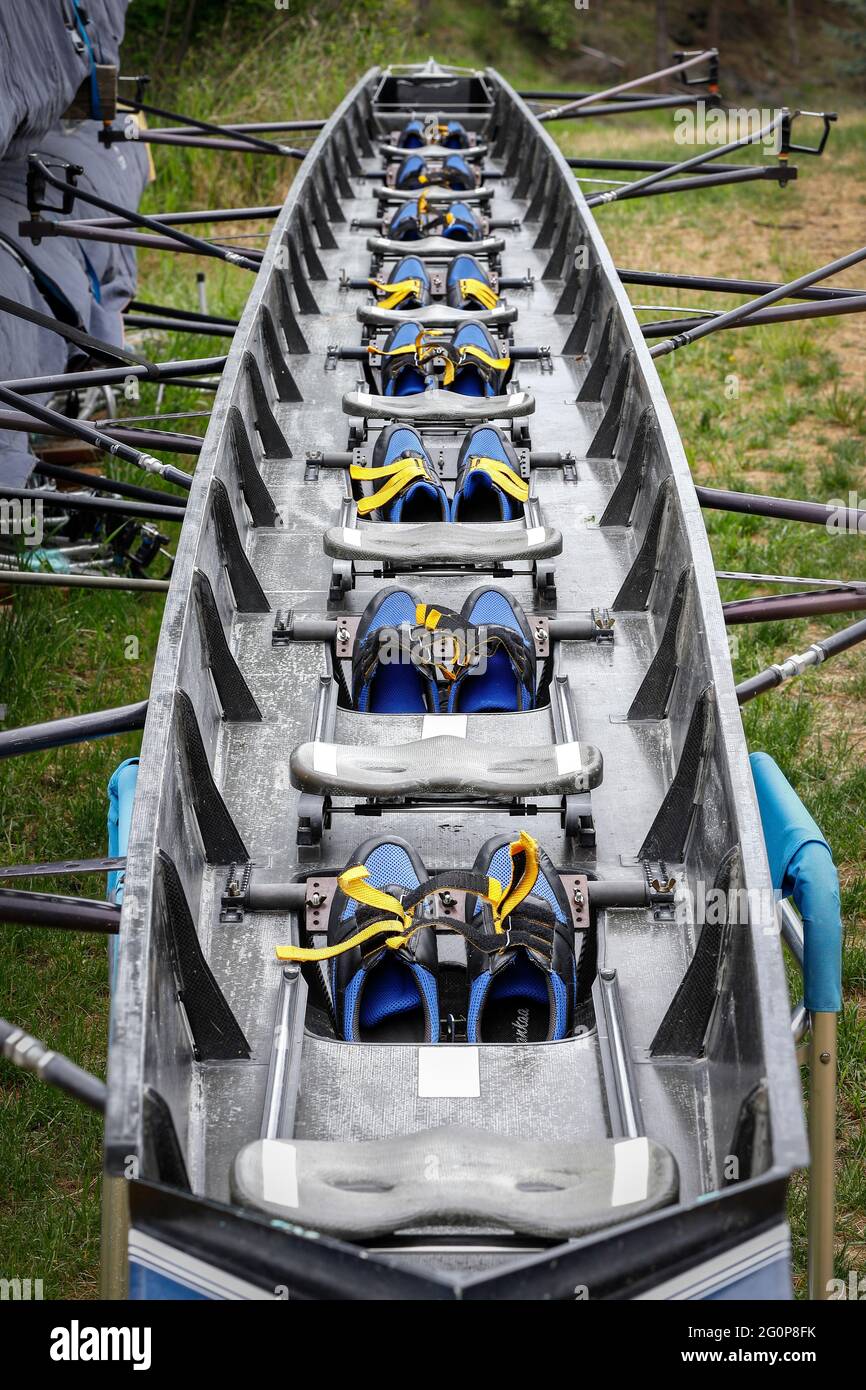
[(729, 1104)]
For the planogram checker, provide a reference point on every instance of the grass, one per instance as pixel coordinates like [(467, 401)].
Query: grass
[(779, 409)]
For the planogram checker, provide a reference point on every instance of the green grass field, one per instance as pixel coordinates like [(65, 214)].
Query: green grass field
[(779, 410)]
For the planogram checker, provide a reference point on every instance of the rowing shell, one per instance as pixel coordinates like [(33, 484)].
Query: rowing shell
[(633, 772)]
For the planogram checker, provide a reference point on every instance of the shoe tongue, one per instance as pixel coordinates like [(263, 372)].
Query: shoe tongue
[(425, 495), (389, 989), (477, 481), (521, 978)]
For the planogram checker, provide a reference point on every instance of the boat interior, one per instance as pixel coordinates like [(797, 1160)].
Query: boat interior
[(444, 616)]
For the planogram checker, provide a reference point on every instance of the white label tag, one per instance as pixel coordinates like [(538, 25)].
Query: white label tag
[(567, 757), (325, 759), (448, 1071), (279, 1173), (630, 1172), (435, 724)]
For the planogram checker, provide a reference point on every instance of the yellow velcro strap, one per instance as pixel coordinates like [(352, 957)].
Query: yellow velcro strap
[(470, 350), (328, 952), (395, 293), (422, 178), (428, 617), (399, 474), (353, 884), (476, 289), (422, 206), (516, 892), (392, 352), (502, 475)]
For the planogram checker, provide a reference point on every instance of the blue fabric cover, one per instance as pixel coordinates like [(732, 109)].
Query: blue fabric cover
[(466, 268), (405, 441), (393, 986), (459, 174), (410, 268), (121, 795), (413, 135), (403, 226), (409, 172), (497, 687), (397, 688), (801, 865), (409, 381), (469, 381), (465, 226), (522, 978), (488, 444)]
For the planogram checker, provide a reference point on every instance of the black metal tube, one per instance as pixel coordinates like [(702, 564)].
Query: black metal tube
[(101, 484), (105, 865), (122, 236), (758, 685), (782, 174), (780, 313), (166, 325), (55, 910), (697, 161), (196, 142), (625, 108), (36, 579), (110, 441), (140, 306), (724, 285), (744, 311), (76, 728), (578, 96), (786, 606), (692, 61), (776, 675), (571, 629), (635, 165), (254, 127), (76, 502), (306, 629), (256, 214), (31, 1055), (245, 138), (108, 376), (785, 508), (140, 219), (291, 897)]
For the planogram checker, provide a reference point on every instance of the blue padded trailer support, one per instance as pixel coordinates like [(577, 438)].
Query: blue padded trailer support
[(802, 868), (121, 795)]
